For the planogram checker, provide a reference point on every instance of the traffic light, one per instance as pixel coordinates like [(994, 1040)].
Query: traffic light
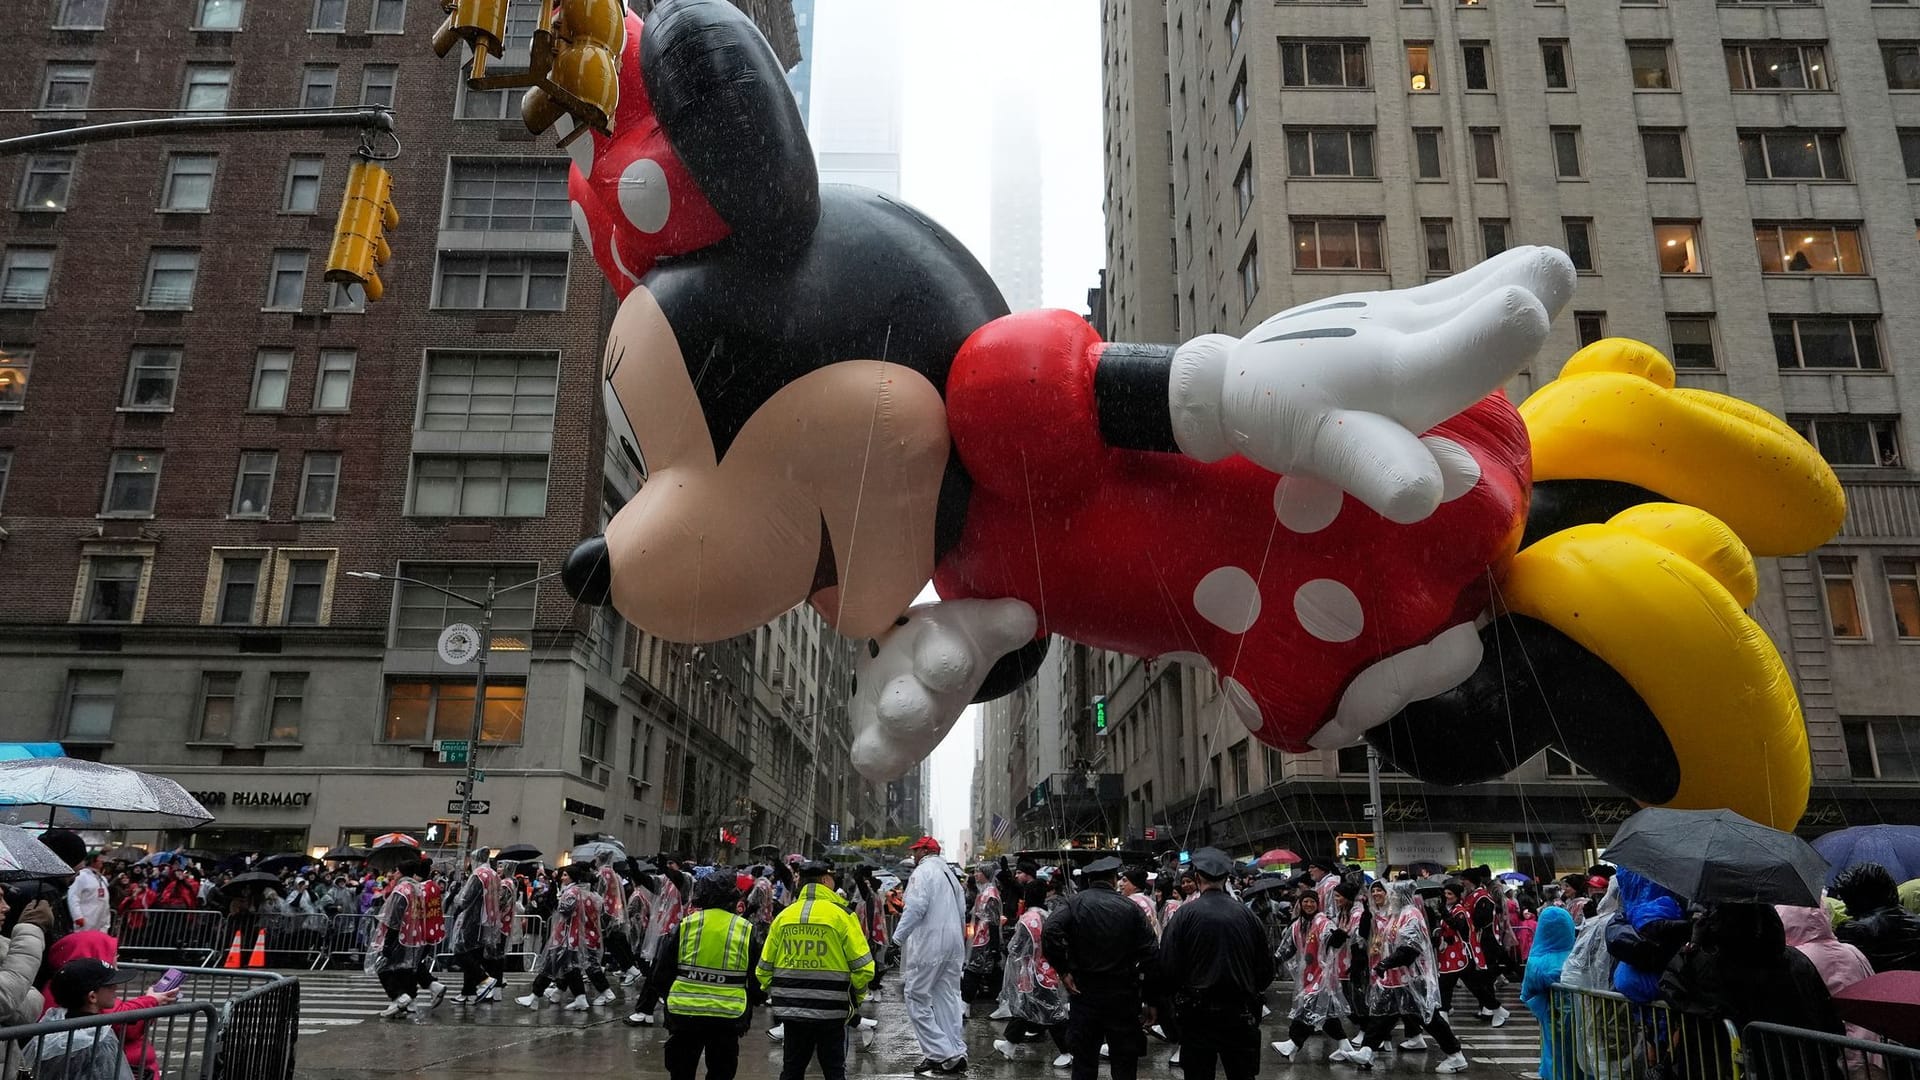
[(359, 238), (573, 62), (482, 24), (1353, 847), (1100, 715), (1153, 833)]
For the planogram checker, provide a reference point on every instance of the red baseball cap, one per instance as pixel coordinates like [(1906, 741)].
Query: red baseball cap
[(926, 843)]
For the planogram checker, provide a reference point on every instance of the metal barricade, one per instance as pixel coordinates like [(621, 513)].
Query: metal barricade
[(524, 942), (347, 938), (1600, 1035), (294, 940), (190, 936), (1783, 1053)]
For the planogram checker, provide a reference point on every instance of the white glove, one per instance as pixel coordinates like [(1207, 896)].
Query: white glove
[(1341, 389), (913, 682)]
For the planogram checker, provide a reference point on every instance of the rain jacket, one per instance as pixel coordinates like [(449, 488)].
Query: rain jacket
[(1889, 936), (1553, 941), (74, 1055), (1405, 976), (1588, 966), (1651, 929), (816, 964), (87, 901), (1740, 969), (1840, 965), (20, 957), (94, 945), (1030, 989), (481, 915), (1311, 963), (933, 949), (409, 928), (573, 941)]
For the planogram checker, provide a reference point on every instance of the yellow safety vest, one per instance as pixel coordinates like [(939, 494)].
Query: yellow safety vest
[(713, 966)]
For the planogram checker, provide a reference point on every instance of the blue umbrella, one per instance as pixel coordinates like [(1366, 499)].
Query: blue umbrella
[(1515, 876), (1896, 847)]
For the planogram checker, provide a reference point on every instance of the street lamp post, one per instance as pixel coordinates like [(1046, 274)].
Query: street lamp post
[(484, 646)]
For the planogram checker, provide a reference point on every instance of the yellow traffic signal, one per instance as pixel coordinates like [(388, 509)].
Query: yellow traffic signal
[(573, 62), (482, 24), (359, 238)]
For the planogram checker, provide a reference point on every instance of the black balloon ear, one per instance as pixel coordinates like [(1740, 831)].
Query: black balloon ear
[(722, 99), (588, 576)]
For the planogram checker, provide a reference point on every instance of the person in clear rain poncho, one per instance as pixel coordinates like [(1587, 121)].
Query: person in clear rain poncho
[(478, 922), (573, 949), (1312, 948), (1030, 991), (1404, 981), (933, 951), (405, 937)]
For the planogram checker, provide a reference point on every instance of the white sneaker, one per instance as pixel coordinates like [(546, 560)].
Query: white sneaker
[(640, 1019), (578, 1004), (867, 1032), (631, 976), (1500, 1016), (1285, 1048), (529, 1000), (466, 999), (553, 994), (1266, 1011), (397, 1006), (777, 1032), (1175, 1059), (1103, 1050), (1361, 1056), (1342, 1051), (1418, 1042), (605, 997), (1003, 1048), (1063, 1061), (1158, 1032), (1456, 1062), (488, 990), (438, 990)]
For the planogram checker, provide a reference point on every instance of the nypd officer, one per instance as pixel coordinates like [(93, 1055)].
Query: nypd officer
[(704, 966), (1102, 945), (1216, 966)]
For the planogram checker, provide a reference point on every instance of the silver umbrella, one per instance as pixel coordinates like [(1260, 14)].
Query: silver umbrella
[(22, 856), (593, 849), (68, 784)]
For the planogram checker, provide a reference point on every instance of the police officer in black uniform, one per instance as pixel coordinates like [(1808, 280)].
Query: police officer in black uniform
[(1216, 967), (1102, 946)]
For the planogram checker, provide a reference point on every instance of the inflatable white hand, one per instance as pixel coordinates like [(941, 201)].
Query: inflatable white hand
[(1341, 389), (913, 682)]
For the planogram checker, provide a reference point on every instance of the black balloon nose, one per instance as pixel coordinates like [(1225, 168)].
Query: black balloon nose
[(587, 576)]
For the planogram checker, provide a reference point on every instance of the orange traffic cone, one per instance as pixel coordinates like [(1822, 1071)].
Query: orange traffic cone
[(233, 952), (259, 957)]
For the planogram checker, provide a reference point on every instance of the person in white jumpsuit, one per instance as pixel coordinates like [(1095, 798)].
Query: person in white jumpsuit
[(932, 952)]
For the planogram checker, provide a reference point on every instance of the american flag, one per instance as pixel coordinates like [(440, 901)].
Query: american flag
[(1001, 827)]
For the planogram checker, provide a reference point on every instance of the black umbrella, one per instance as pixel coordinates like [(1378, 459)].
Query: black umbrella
[(771, 851), (1430, 887), (1264, 885), (254, 879), (347, 854), (844, 851), (1429, 867), (518, 853), (1715, 856), (291, 860)]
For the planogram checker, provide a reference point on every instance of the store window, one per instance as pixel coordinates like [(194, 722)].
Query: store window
[(422, 711)]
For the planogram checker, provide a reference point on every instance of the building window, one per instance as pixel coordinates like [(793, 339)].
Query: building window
[(1793, 155), (1589, 326), (319, 84), (479, 104), (47, 181), (423, 711), (489, 391), (1438, 235), (1856, 442), (596, 722), (334, 390), (1692, 337), (16, 366), (1486, 154), (1237, 766), (1883, 748), (1579, 233), (1826, 341), (1677, 243), (1331, 152), (133, 483), (1233, 24), (467, 486), (113, 587), (319, 484), (218, 693), (1237, 101), (286, 701), (1845, 615), (253, 484), (1420, 67), (1652, 63), (80, 15), (1493, 237), (171, 274), (1250, 273), (286, 280), (1243, 187), (306, 591), (345, 297), (498, 282), (420, 614), (1427, 157), (1476, 57), (208, 87), (302, 193), (153, 375), (508, 195), (1809, 249), (329, 15), (1324, 64), (219, 14), (1337, 244), (239, 595), (91, 699), (272, 369), (1777, 66), (67, 86), (25, 274), (1666, 153), (376, 85), (1566, 153), (389, 17), (1902, 61), (1558, 65), (188, 187), (1903, 592)]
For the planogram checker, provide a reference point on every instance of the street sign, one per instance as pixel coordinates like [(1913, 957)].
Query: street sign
[(474, 806), (453, 751), (461, 787), (479, 775)]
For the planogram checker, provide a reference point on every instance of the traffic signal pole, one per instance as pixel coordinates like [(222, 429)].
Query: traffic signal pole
[(479, 713), (374, 119), (1379, 810)]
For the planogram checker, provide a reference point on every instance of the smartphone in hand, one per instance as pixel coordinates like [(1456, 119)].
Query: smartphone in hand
[(171, 980)]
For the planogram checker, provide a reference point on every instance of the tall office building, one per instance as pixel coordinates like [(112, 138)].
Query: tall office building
[(855, 117), (199, 438), (1013, 200), (1728, 178)]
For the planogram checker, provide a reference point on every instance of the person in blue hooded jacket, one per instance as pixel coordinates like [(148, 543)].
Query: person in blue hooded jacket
[(1651, 928), (1552, 942)]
